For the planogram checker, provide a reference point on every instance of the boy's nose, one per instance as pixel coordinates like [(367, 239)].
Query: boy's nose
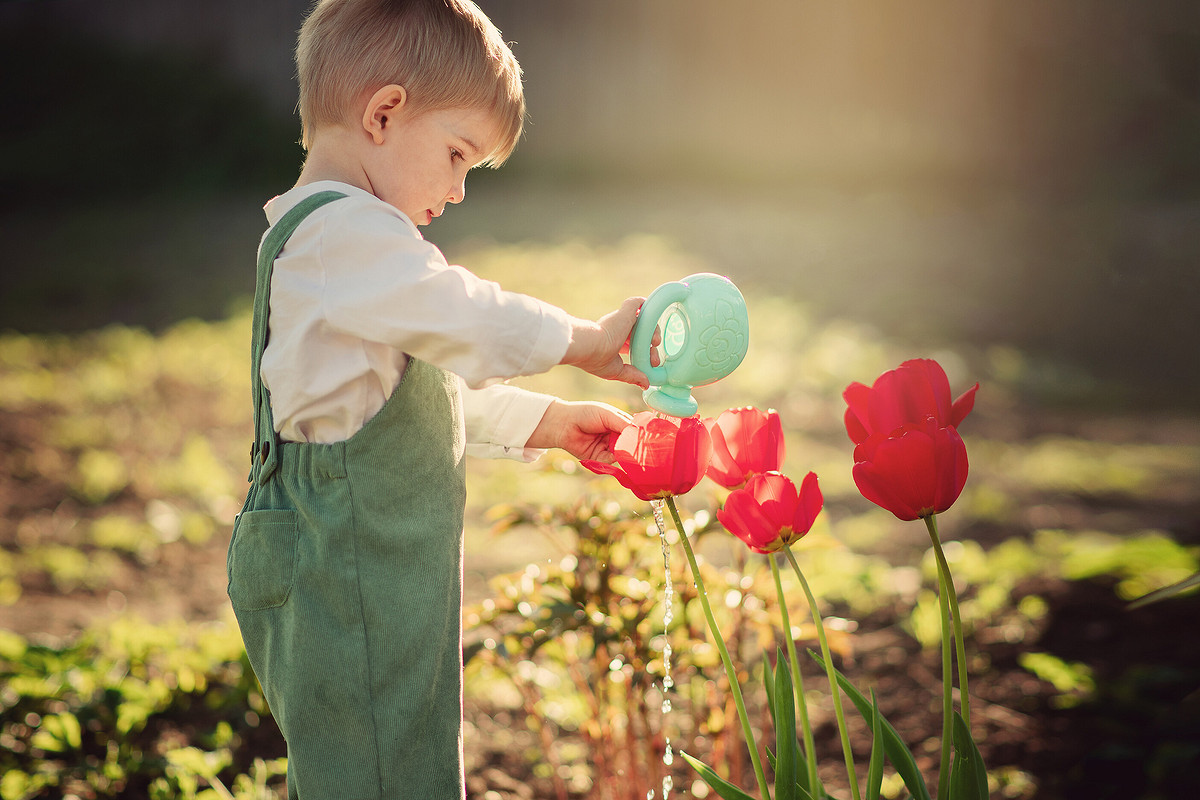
[(458, 193)]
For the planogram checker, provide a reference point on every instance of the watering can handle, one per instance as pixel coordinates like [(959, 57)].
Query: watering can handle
[(640, 341)]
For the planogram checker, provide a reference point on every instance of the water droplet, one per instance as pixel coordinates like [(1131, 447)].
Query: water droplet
[(669, 755), (666, 706)]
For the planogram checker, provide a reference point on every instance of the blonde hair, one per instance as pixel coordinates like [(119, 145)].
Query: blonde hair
[(445, 53)]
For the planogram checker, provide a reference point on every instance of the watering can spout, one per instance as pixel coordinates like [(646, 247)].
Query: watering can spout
[(705, 334)]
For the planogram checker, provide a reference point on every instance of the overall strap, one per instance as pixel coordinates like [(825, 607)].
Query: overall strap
[(264, 455)]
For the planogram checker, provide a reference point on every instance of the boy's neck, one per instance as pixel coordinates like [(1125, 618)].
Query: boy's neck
[(333, 157)]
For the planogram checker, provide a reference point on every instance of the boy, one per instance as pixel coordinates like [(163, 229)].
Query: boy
[(345, 563)]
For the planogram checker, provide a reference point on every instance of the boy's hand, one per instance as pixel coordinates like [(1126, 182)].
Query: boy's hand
[(582, 429), (596, 347)]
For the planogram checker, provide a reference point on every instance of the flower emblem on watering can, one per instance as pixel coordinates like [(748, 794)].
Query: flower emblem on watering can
[(705, 334), (723, 345)]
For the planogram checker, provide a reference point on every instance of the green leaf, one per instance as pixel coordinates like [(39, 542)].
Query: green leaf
[(875, 770), (58, 733), (785, 732), (895, 748), (968, 775), (769, 685), (802, 792), (14, 785), (12, 646), (719, 785), (799, 762)]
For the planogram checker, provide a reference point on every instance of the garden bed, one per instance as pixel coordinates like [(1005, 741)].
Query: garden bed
[(112, 510)]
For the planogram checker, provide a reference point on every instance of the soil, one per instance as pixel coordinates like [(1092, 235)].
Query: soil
[(1136, 736)]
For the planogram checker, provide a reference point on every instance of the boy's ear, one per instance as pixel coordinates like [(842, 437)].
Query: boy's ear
[(382, 109)]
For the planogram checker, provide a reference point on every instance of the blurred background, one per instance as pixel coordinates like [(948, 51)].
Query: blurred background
[(1023, 174), (1012, 188)]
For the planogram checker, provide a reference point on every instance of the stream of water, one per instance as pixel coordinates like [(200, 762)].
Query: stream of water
[(668, 682)]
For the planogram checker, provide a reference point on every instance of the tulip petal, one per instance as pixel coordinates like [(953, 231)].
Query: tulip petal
[(745, 441), (776, 496), (919, 471), (909, 393), (744, 518), (963, 405), (950, 452), (929, 383), (899, 474), (858, 411), (601, 468), (875, 485), (691, 456), (768, 445), (808, 505), (722, 467)]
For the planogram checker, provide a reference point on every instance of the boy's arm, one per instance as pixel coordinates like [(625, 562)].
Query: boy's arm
[(377, 280), (380, 282), (504, 421)]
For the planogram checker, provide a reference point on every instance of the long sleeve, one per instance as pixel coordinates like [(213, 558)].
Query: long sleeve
[(500, 419)]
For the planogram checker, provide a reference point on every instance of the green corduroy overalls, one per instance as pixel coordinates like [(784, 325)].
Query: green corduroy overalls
[(345, 572)]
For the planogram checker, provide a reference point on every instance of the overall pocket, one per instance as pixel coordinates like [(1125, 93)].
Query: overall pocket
[(262, 558)]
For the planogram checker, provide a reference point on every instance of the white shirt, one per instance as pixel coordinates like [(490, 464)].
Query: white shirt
[(356, 290)]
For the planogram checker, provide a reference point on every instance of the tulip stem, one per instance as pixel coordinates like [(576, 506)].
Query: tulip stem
[(947, 693), (726, 661), (947, 582), (948, 604), (810, 748), (847, 753)]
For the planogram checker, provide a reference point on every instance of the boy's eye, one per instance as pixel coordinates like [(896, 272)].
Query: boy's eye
[(455, 155)]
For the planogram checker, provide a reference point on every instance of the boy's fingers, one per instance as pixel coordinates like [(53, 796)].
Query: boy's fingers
[(611, 418), (631, 374), (628, 313), (616, 422), (632, 305)]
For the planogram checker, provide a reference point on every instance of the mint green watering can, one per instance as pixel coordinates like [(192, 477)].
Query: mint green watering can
[(705, 334)]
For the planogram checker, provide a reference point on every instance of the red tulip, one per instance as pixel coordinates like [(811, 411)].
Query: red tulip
[(745, 441), (918, 470), (914, 391), (658, 456), (768, 512)]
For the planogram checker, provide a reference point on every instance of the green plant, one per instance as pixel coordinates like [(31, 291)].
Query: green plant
[(131, 709), (583, 644)]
